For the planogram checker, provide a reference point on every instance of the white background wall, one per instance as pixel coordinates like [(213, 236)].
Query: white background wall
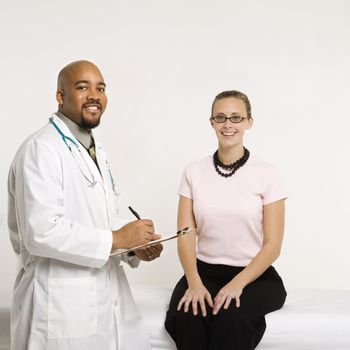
[(164, 61)]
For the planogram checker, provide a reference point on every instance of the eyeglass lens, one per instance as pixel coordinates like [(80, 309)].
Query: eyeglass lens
[(223, 118)]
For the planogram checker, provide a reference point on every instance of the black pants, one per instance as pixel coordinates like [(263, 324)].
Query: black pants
[(232, 329)]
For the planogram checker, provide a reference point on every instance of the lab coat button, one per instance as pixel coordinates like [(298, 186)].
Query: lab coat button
[(115, 302)]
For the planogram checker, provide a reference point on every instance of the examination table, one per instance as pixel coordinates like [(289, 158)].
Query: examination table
[(310, 320)]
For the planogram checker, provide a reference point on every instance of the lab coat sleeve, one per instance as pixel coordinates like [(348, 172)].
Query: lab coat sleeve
[(11, 213), (132, 261), (40, 208)]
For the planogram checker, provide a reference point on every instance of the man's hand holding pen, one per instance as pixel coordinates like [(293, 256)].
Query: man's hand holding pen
[(133, 234)]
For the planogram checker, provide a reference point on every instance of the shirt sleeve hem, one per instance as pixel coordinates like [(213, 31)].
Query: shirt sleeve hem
[(274, 199)]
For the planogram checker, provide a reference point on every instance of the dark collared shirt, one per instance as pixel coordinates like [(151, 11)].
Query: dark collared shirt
[(83, 136)]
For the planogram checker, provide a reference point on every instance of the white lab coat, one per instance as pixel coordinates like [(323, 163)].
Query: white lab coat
[(68, 293)]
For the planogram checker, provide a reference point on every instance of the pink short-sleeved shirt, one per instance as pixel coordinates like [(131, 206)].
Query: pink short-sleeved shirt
[(228, 211)]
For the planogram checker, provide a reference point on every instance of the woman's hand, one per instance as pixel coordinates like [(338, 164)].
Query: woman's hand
[(194, 295), (232, 291)]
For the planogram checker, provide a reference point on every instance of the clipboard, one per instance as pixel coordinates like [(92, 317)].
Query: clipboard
[(179, 233)]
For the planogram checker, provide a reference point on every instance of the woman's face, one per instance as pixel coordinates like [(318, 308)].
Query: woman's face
[(230, 134)]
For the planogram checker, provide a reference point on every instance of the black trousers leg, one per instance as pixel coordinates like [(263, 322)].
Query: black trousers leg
[(242, 328), (232, 329), (189, 332)]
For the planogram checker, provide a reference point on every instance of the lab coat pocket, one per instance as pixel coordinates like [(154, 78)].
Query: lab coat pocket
[(72, 307)]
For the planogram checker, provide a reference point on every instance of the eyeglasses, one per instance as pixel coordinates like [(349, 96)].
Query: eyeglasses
[(222, 118)]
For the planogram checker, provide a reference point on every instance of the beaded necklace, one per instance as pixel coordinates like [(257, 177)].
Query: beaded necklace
[(231, 168)]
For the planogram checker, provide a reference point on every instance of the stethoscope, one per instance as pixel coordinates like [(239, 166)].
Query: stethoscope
[(78, 156)]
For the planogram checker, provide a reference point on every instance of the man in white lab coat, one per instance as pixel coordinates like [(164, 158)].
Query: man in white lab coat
[(62, 216)]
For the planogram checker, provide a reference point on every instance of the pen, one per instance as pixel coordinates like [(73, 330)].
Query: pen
[(135, 213), (138, 218)]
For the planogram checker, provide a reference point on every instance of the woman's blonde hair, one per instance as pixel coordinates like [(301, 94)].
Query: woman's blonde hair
[(236, 94)]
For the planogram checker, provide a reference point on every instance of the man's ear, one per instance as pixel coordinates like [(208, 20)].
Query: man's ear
[(59, 97), (211, 122)]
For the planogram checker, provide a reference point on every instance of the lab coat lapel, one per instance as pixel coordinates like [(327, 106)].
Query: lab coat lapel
[(87, 160), (106, 179), (92, 166)]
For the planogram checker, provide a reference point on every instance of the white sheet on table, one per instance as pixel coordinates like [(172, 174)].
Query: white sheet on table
[(310, 320)]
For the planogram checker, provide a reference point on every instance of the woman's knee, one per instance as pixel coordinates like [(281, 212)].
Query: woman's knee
[(231, 315)]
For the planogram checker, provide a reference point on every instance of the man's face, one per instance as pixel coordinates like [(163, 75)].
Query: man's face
[(81, 96)]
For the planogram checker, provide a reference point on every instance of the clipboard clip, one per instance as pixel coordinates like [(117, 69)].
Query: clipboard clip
[(184, 231)]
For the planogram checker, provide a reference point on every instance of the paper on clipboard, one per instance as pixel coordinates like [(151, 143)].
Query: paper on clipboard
[(179, 233)]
